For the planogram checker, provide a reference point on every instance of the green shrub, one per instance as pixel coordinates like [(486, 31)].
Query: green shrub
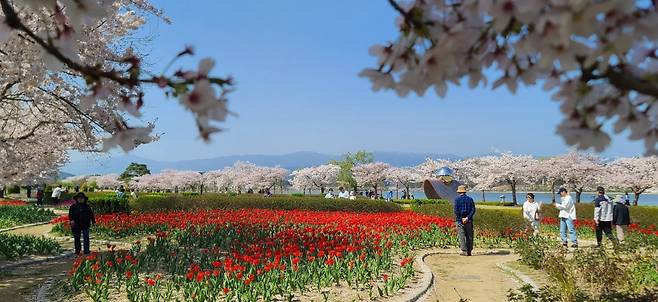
[(297, 194), (151, 203), (12, 246), (497, 203), (533, 250), (501, 220), (14, 190), (47, 196), (104, 205), (420, 201)]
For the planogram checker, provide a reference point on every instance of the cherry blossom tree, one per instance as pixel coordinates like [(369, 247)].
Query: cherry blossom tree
[(505, 168), (405, 177), (636, 174), (245, 176), (76, 180), (107, 181), (370, 174), (598, 57), (218, 179), (72, 78), (320, 177), (175, 180), (581, 172)]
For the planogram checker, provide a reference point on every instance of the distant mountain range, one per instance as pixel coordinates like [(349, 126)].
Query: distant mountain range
[(289, 161)]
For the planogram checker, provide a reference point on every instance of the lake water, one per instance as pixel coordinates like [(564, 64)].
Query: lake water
[(645, 199)]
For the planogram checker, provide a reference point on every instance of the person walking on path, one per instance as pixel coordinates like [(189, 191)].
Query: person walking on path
[(531, 213), (81, 218), (40, 196), (603, 216), (621, 217), (464, 209), (566, 216), (57, 193)]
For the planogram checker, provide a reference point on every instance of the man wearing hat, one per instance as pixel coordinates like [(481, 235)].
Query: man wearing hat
[(464, 208), (81, 218), (603, 216), (566, 216)]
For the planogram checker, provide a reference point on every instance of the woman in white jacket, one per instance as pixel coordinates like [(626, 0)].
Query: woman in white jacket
[(531, 213)]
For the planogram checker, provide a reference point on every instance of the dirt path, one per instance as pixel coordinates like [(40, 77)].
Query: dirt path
[(38, 230), (19, 283), (475, 278)]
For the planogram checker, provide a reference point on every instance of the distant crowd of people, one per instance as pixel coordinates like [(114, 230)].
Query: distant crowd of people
[(342, 193)]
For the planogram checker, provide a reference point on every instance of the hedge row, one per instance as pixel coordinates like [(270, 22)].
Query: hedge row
[(104, 205), (499, 220), (154, 203)]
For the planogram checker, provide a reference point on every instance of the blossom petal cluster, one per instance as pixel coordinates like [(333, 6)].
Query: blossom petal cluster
[(598, 57)]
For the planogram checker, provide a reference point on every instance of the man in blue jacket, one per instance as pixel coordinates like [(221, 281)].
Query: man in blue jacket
[(464, 211)]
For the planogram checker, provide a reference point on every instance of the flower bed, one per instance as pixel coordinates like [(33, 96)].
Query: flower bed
[(12, 246), (12, 203), (257, 254), (14, 215)]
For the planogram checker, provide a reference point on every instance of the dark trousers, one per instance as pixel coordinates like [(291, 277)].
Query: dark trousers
[(604, 226), (77, 232), (465, 233)]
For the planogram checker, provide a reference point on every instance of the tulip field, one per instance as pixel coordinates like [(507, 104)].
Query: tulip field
[(249, 255)]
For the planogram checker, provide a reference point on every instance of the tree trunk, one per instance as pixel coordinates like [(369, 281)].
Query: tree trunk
[(408, 188), (484, 199), (553, 192), (637, 196), (322, 190), (578, 194), (512, 184)]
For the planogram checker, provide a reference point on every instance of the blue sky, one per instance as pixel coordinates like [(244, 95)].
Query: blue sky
[(296, 66)]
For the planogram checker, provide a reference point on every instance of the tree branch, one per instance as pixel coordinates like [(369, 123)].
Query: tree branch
[(13, 21), (628, 81)]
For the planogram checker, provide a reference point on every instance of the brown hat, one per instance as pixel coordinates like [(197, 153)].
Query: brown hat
[(461, 189)]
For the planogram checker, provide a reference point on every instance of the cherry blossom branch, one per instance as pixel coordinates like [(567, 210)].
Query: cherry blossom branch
[(74, 107), (14, 22), (628, 81)]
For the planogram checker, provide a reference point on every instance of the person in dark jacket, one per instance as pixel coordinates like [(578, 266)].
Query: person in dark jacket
[(81, 218), (464, 209), (603, 216), (621, 217)]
